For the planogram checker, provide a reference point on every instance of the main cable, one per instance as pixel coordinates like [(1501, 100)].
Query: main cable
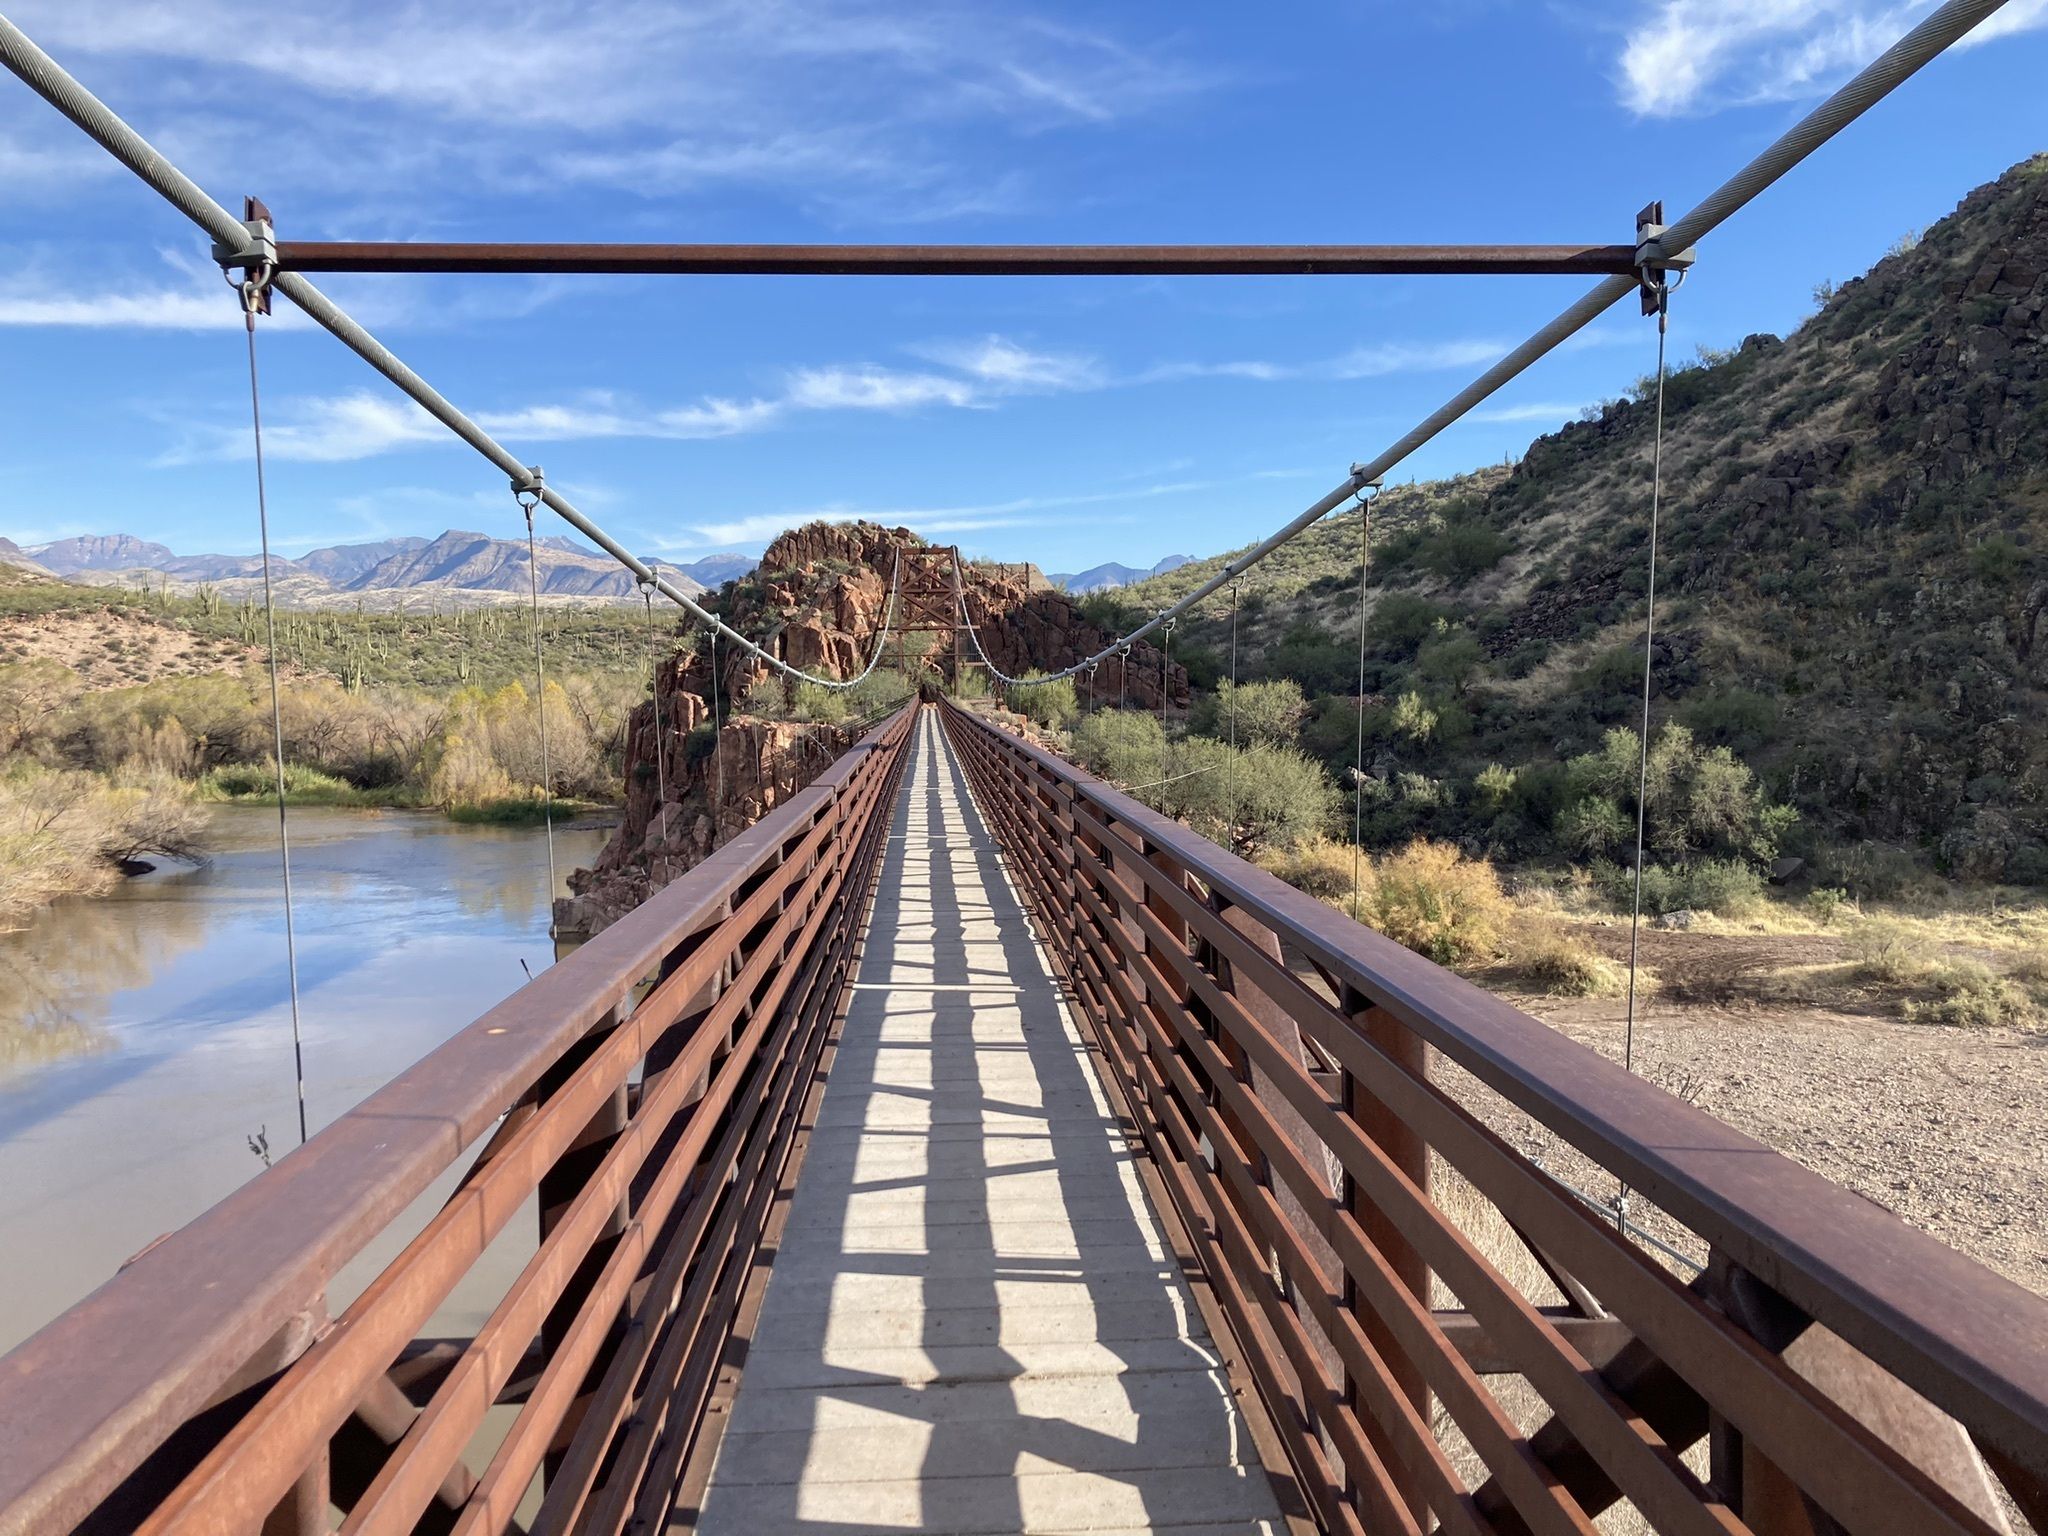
[(251, 290)]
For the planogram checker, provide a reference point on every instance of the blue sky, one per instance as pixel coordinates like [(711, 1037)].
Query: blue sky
[(1066, 421)]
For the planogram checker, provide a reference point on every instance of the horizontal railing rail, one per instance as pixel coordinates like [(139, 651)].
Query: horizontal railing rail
[(1831, 1369), (644, 1092)]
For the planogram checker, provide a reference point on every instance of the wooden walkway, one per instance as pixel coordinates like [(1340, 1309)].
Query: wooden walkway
[(973, 1323)]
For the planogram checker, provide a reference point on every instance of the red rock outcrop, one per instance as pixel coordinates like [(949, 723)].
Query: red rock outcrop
[(818, 601)]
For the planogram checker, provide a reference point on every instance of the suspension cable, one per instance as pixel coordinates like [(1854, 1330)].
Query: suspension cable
[(251, 290), (654, 692), (528, 493), (1366, 495)]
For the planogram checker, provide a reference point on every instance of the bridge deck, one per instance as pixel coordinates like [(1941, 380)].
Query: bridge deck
[(973, 1323)]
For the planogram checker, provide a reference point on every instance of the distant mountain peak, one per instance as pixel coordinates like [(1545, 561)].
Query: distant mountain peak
[(1100, 578)]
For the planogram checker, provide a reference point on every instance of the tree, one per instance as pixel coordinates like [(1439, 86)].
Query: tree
[(1269, 712)]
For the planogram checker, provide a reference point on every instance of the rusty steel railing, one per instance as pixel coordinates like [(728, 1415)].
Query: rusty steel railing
[(1832, 1369), (644, 1093)]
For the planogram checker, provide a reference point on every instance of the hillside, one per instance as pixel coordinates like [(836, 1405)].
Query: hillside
[(456, 568), (1853, 572)]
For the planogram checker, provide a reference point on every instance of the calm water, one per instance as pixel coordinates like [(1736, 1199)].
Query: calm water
[(408, 927)]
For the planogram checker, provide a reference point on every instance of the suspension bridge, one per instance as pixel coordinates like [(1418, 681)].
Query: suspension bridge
[(965, 1147)]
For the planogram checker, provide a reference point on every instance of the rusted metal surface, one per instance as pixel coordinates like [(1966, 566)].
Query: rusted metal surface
[(1169, 945), (646, 1189), (954, 260)]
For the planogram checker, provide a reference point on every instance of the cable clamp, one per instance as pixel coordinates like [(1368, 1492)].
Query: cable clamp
[(527, 488), (1654, 264), (256, 257)]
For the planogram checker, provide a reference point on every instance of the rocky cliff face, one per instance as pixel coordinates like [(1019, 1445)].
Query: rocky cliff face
[(819, 601)]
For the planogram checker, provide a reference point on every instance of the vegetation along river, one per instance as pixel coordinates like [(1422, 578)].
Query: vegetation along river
[(152, 1027)]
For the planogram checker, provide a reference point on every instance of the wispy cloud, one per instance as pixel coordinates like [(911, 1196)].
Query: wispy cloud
[(830, 100), (1686, 57), (1019, 512), (980, 374), (1539, 410)]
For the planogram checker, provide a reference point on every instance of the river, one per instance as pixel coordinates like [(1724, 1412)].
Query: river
[(174, 986)]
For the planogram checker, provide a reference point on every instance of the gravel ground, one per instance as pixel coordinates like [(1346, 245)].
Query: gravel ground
[(1942, 1126)]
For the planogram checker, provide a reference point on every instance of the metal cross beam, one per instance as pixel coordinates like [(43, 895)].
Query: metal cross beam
[(955, 260)]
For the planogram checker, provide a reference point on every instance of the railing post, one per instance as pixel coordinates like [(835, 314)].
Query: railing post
[(1768, 1500), (1406, 1150)]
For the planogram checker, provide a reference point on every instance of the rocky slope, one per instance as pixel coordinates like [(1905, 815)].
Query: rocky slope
[(1852, 576), (726, 754)]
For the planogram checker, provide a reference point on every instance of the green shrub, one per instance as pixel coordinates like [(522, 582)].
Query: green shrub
[(1271, 711), (1051, 704), (814, 704), (1888, 951), (1825, 903)]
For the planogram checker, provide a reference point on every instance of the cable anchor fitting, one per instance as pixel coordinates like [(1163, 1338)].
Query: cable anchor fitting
[(1655, 264), (527, 489), (255, 257)]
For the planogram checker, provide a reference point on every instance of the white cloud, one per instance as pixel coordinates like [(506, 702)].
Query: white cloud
[(981, 375), (1021, 512), (1685, 56), (834, 101), (1540, 410)]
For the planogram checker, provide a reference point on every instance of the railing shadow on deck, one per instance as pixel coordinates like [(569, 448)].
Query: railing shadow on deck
[(643, 1091), (969, 1412), (1831, 1370)]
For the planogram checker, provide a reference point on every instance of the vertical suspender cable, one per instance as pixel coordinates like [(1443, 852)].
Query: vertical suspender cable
[(528, 496), (654, 692), (250, 290), (1165, 655), (1635, 916), (717, 740), (1358, 760), (1230, 783)]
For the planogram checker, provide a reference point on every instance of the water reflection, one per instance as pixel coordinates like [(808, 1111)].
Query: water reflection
[(408, 927)]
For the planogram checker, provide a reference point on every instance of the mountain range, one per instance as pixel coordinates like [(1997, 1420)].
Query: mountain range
[(1100, 578), (464, 567)]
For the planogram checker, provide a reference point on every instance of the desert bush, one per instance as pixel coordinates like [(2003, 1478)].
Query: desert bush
[(1122, 745), (765, 698), (1825, 903), (64, 832), (1052, 704), (1725, 886), (1562, 965), (1435, 901), (1317, 866), (1271, 711), (814, 704), (1969, 995), (1883, 949)]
